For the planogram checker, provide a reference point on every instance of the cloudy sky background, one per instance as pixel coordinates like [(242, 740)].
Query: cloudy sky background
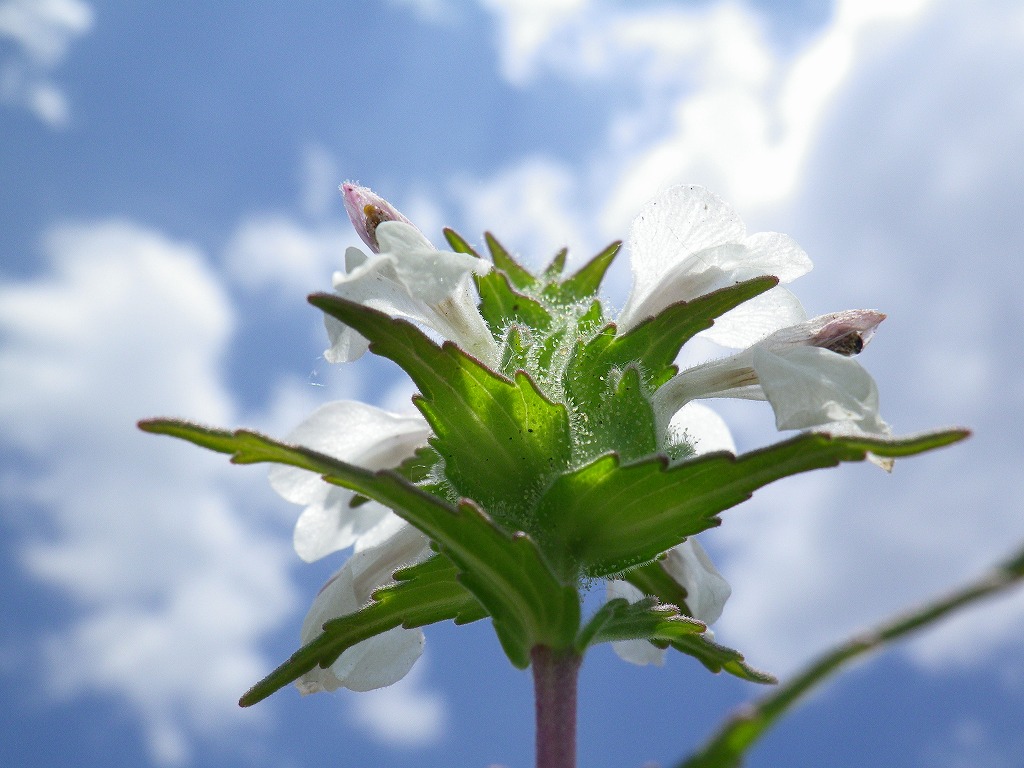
[(168, 178)]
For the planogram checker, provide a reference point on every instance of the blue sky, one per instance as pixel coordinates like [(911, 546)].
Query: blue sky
[(168, 178)]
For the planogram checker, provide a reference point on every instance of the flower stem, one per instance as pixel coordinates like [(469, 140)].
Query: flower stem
[(728, 747), (554, 683)]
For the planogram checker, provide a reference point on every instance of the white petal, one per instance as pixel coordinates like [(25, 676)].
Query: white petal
[(702, 428), (731, 376), (809, 387), (432, 276), (412, 280), (346, 344), (640, 652), (772, 253), (682, 282), (335, 525), (675, 225), (687, 243), (706, 589), (354, 258), (396, 236), (358, 434), (458, 318), (384, 530), (374, 566), (380, 660), (755, 319), (375, 283)]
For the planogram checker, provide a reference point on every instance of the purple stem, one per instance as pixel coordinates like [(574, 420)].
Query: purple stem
[(554, 684)]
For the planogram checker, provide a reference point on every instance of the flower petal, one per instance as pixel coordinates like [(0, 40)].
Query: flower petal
[(673, 226), (702, 428), (373, 283), (639, 652), (429, 275), (358, 434), (411, 279), (706, 589), (377, 661), (810, 387), (755, 319)]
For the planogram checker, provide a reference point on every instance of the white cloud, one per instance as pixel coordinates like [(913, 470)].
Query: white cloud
[(173, 588), (970, 743), (42, 30), (526, 27), (429, 10), (401, 715), (532, 208), (706, 96), (320, 195), (280, 253)]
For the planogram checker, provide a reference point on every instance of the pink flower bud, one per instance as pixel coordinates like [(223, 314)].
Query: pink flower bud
[(367, 210), (846, 333)]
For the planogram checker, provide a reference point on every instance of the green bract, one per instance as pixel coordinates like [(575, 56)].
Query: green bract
[(548, 467)]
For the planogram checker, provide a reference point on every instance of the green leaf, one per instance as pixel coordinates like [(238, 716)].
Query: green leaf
[(458, 243), (507, 574), (612, 516), (587, 280), (423, 594), (718, 658), (619, 619), (652, 579), (502, 306), (654, 343), (500, 439), (519, 276), (554, 269), (621, 421), (416, 469)]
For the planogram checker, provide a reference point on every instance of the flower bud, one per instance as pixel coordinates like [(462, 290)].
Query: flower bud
[(846, 333), (368, 210)]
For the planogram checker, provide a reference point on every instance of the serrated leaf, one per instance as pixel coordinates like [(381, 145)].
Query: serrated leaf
[(619, 619), (622, 420), (424, 594), (501, 305), (718, 658), (554, 269), (416, 469), (654, 343), (587, 280), (517, 274), (612, 516), (684, 633), (458, 243), (652, 579), (500, 439), (507, 574)]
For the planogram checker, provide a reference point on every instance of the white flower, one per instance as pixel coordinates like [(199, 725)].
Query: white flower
[(806, 372), (380, 660), (688, 242), (406, 278), (358, 434)]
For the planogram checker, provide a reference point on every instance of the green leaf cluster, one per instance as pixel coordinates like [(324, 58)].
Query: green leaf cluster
[(546, 472)]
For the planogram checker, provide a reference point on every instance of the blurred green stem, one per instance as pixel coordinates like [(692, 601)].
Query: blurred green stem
[(727, 747)]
